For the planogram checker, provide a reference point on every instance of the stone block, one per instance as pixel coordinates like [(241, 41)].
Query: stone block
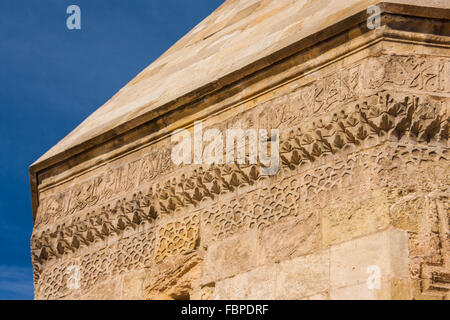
[(304, 276), (408, 213), (361, 292), (230, 257), (258, 284), (355, 218), (290, 239), (177, 278), (133, 286), (222, 290), (107, 290), (368, 262)]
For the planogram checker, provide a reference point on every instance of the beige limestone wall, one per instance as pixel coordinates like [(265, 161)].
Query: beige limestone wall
[(363, 184)]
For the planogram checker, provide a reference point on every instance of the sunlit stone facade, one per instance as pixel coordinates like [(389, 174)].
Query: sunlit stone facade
[(359, 208)]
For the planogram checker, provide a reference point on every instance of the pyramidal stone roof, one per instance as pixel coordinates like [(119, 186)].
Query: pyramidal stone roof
[(241, 36)]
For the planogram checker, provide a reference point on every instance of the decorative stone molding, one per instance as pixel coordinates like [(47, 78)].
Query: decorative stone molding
[(363, 118)]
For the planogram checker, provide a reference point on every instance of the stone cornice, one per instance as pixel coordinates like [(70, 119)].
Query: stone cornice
[(400, 22)]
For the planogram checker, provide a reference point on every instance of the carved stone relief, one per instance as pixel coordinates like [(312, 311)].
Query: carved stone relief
[(343, 136)]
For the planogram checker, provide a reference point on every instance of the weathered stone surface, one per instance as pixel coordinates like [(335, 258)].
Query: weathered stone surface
[(176, 278), (259, 284), (363, 181), (230, 257), (291, 239), (319, 296), (303, 277), (363, 215), (408, 213), (361, 292), (178, 237), (222, 290), (133, 286), (204, 293), (110, 290), (378, 257)]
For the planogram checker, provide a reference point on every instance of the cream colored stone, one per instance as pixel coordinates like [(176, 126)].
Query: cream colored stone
[(320, 296), (401, 289), (258, 284), (361, 216), (291, 239), (204, 293), (230, 257), (383, 255), (133, 286), (222, 290), (361, 292), (304, 276), (108, 290)]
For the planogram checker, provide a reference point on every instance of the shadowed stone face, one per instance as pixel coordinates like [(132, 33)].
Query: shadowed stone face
[(358, 208)]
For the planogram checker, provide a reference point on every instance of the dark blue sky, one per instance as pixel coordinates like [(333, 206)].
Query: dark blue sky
[(52, 78)]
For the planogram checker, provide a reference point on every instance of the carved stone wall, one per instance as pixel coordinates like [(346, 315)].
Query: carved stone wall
[(364, 182)]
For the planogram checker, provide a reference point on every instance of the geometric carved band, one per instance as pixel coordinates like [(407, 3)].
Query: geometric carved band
[(381, 117)]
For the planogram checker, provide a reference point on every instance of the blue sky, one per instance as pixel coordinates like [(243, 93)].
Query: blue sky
[(52, 78)]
